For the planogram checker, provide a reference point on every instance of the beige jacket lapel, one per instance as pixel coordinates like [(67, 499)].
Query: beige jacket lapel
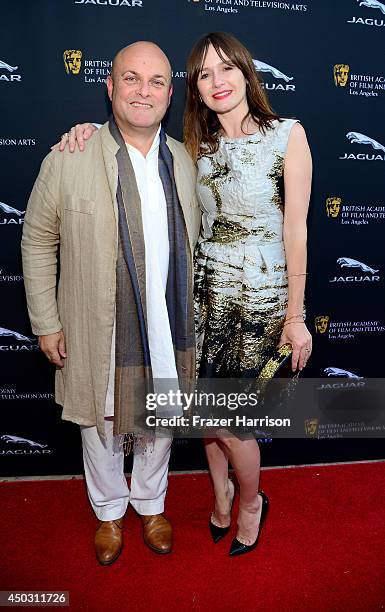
[(186, 189), (185, 183), (109, 150)]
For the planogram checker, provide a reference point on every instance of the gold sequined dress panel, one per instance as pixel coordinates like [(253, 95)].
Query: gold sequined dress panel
[(240, 271)]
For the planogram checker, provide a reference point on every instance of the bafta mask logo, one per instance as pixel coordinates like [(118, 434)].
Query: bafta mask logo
[(321, 324), (333, 207), (341, 74), (311, 427), (72, 61)]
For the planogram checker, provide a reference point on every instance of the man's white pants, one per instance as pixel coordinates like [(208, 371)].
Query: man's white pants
[(106, 483), (107, 486)]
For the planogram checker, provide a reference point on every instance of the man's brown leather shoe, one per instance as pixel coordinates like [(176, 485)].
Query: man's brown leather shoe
[(109, 541), (157, 533)]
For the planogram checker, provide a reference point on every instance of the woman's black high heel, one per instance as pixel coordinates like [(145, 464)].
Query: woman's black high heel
[(237, 548), (217, 533)]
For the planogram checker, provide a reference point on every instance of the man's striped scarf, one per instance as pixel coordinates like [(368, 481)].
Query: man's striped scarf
[(133, 374)]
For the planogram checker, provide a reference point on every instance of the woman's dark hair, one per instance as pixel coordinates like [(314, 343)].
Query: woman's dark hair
[(201, 124)]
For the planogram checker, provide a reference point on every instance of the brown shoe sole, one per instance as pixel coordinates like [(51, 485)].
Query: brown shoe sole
[(157, 550), (111, 561)]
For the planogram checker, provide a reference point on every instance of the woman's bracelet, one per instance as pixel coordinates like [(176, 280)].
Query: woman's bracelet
[(291, 322), (302, 274), (298, 316)]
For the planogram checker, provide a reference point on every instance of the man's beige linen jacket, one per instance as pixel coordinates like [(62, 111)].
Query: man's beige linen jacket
[(73, 209)]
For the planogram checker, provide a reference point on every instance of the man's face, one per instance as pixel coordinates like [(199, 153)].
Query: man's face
[(140, 87)]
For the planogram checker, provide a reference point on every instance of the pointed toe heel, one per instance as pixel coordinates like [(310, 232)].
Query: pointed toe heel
[(217, 533), (238, 548)]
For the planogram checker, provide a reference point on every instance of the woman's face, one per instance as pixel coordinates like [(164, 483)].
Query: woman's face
[(222, 85)]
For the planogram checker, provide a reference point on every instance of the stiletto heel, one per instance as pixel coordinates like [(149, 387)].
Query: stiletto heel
[(217, 533), (237, 547)]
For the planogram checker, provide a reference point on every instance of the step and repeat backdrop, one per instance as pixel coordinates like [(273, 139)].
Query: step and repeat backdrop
[(322, 62)]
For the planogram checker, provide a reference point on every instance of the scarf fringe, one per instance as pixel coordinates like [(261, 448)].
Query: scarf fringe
[(139, 443)]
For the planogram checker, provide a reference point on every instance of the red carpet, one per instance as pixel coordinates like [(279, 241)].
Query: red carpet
[(323, 547)]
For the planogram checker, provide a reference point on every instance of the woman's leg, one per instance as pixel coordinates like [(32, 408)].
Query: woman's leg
[(223, 487), (245, 459)]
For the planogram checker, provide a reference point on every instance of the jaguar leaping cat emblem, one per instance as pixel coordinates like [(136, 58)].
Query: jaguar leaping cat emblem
[(9, 332), (18, 440), (346, 262), (372, 4), (339, 372), (262, 67), (6, 66), (10, 210), (362, 139)]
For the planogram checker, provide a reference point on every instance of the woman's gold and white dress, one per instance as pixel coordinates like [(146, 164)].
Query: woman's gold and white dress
[(241, 285)]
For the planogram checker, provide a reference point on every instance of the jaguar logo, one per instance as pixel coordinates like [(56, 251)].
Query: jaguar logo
[(366, 140), (10, 210), (18, 440), (13, 334), (372, 4), (341, 74), (262, 67), (9, 78), (338, 372), (5, 66), (346, 262)]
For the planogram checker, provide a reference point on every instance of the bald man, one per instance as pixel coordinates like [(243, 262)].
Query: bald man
[(125, 218)]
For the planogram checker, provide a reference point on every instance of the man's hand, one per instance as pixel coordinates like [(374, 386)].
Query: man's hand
[(76, 136), (54, 348)]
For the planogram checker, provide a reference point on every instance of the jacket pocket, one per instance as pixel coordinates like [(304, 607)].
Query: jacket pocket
[(79, 205)]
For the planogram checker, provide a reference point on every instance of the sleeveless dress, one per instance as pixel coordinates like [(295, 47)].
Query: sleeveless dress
[(241, 288)]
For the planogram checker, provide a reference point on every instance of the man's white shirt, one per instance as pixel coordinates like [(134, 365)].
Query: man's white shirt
[(156, 243), (157, 249)]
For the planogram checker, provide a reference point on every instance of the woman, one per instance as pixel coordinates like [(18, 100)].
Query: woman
[(251, 257), (246, 301)]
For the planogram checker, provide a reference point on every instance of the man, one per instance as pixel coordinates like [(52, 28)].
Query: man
[(126, 219)]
